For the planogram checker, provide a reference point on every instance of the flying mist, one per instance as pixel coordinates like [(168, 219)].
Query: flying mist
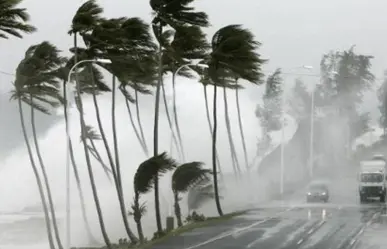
[(19, 189)]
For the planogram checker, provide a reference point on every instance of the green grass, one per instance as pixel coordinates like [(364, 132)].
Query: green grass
[(189, 227), (180, 230)]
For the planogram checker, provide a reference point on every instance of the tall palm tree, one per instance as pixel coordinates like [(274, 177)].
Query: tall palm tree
[(45, 60), (189, 43), (232, 55), (234, 157), (36, 84), (137, 130), (173, 13), (92, 135), (126, 42), (84, 20), (143, 183), (14, 20), (185, 177), (205, 80)]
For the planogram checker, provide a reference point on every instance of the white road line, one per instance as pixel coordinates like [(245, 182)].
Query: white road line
[(356, 237), (237, 230)]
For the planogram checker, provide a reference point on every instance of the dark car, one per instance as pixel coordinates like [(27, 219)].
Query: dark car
[(317, 192)]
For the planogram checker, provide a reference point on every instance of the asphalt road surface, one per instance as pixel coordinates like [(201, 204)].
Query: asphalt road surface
[(314, 226)]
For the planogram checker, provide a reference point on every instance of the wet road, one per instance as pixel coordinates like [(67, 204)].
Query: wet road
[(314, 226)]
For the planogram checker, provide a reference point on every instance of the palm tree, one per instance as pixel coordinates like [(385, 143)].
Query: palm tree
[(137, 131), (205, 80), (84, 20), (185, 177), (126, 42), (232, 56), (92, 135), (189, 43), (173, 13), (36, 84), (47, 62), (234, 157), (143, 183), (13, 20)]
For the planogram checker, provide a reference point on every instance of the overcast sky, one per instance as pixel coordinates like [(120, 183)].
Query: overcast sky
[(293, 33)]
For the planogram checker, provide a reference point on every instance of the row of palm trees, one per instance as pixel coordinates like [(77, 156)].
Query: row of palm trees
[(139, 63)]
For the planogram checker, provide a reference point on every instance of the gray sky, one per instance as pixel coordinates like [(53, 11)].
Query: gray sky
[(293, 33)]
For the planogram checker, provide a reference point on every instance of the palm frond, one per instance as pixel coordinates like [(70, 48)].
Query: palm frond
[(38, 76), (151, 168), (234, 54), (86, 17), (91, 80), (188, 175), (177, 13), (13, 20), (91, 133)]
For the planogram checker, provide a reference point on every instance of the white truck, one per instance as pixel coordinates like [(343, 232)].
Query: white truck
[(373, 179)]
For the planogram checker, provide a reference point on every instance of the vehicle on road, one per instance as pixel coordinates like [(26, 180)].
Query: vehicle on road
[(317, 192), (372, 179)]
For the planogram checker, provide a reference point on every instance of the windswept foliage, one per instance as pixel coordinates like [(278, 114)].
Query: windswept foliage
[(271, 110), (144, 180), (185, 177), (14, 20)]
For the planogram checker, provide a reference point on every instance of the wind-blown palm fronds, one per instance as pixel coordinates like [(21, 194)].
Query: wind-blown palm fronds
[(185, 177), (14, 20), (143, 182)]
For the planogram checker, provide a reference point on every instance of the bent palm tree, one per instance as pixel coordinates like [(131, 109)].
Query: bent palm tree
[(36, 84), (205, 80), (231, 47), (172, 13), (189, 43), (185, 177), (85, 19), (13, 20), (143, 183)]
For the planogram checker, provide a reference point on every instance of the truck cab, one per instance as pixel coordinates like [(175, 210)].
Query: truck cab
[(372, 180)]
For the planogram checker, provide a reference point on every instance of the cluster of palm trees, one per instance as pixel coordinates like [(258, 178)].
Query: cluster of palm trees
[(140, 55)]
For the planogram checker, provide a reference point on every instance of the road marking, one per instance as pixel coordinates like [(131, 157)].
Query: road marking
[(232, 233), (369, 223)]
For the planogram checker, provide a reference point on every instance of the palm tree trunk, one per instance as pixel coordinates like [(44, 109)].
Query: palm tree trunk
[(214, 170), (37, 177), (136, 132), (45, 178), (88, 162), (176, 118), (241, 128), (210, 126), (76, 173), (234, 158), (156, 136), (95, 153), (114, 130), (140, 124), (137, 217), (177, 209), (174, 139), (117, 181)]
